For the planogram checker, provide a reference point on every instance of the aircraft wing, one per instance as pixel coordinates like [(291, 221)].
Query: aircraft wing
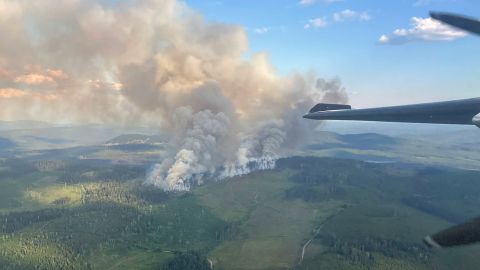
[(462, 112), (471, 25), (458, 235)]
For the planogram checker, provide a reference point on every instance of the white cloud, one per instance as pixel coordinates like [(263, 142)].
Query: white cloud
[(307, 2), (311, 2), (421, 3), (422, 29), (345, 15), (261, 30), (316, 23), (349, 14), (384, 39)]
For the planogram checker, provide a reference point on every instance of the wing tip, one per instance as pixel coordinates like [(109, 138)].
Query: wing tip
[(428, 240), (321, 107)]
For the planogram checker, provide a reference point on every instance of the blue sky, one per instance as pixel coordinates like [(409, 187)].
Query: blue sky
[(341, 38)]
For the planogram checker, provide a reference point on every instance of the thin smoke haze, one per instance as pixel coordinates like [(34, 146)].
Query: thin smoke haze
[(156, 63)]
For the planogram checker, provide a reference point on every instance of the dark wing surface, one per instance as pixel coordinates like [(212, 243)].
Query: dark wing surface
[(471, 25), (458, 235), (459, 112)]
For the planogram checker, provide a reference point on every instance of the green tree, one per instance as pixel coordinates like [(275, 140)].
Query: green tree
[(190, 260)]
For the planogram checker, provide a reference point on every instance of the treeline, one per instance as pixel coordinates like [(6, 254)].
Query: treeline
[(109, 192), (189, 260), (13, 168), (361, 250), (423, 204), (121, 173), (317, 179), (134, 147), (25, 259), (50, 165), (311, 193), (15, 221), (78, 173), (151, 194), (315, 171), (306, 193)]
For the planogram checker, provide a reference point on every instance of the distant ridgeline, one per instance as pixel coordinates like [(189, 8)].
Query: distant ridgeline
[(6, 144)]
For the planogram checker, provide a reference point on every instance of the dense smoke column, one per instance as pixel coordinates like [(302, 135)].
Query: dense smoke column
[(257, 152), (256, 147), (199, 148), (156, 63)]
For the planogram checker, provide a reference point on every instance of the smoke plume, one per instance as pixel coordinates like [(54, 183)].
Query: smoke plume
[(156, 62)]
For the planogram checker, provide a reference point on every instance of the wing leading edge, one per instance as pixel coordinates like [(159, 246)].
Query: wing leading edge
[(471, 25), (460, 112)]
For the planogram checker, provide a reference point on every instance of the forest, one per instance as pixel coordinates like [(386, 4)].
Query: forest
[(83, 214)]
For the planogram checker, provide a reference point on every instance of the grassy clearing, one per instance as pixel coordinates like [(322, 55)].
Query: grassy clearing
[(55, 194), (31, 190), (129, 259), (234, 199), (270, 229)]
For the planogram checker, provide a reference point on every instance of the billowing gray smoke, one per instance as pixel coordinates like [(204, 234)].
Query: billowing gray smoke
[(221, 145), (156, 62), (200, 134)]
